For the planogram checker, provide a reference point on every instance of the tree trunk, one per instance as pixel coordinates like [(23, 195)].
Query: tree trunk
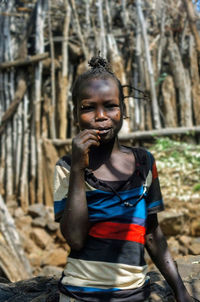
[(63, 78), (155, 108), (195, 80), (17, 267), (169, 102), (192, 21), (182, 82)]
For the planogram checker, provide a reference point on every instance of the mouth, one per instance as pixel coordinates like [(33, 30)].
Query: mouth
[(103, 131)]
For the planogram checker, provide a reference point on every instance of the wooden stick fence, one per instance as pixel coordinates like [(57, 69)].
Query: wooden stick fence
[(38, 68)]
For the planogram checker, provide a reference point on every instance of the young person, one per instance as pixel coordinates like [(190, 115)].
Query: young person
[(106, 199)]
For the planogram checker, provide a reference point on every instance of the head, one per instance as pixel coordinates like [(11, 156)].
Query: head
[(98, 80)]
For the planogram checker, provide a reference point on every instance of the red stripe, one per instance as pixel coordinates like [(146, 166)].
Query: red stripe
[(154, 171), (120, 231)]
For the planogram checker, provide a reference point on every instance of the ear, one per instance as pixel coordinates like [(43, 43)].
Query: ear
[(124, 111), (76, 123)]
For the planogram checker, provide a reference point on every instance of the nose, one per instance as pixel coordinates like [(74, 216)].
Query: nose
[(100, 114)]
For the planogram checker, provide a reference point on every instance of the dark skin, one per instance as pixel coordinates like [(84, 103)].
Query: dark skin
[(99, 115)]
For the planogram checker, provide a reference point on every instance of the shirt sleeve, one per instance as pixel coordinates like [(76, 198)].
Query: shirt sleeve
[(60, 188), (154, 196)]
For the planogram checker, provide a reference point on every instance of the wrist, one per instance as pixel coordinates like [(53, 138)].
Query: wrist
[(77, 168)]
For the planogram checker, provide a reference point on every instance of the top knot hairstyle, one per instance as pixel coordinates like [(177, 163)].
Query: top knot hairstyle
[(99, 69)]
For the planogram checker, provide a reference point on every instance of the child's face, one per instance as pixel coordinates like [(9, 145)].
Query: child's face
[(99, 108)]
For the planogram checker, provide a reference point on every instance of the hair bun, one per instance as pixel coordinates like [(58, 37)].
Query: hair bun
[(99, 63)]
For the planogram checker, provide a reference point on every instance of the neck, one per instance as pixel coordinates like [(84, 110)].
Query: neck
[(101, 154)]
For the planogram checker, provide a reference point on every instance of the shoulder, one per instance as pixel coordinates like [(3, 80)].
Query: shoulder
[(143, 155)]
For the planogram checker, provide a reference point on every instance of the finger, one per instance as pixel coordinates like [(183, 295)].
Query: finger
[(91, 143), (87, 136), (89, 131)]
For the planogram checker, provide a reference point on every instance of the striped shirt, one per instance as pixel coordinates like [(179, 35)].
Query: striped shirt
[(111, 266)]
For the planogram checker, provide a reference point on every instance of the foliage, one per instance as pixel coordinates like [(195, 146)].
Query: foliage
[(177, 152), (178, 165)]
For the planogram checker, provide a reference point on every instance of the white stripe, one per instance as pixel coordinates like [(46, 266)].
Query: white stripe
[(103, 275), (61, 183)]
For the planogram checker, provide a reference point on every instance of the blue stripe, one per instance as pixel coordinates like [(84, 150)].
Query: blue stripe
[(155, 204), (108, 206), (89, 289), (59, 205)]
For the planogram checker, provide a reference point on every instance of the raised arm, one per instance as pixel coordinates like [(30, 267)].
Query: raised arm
[(157, 248), (74, 223)]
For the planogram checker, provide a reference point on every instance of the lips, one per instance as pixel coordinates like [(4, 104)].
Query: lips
[(104, 131)]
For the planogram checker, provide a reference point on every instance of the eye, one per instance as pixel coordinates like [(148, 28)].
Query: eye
[(110, 105), (86, 108)]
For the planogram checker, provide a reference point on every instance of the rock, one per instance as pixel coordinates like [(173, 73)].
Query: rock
[(28, 244), (173, 246), (37, 210), (60, 237), (19, 213), (173, 222), (52, 226), (195, 227), (194, 248), (35, 259), (24, 222), (56, 257), (185, 240), (41, 289), (40, 237), (39, 222)]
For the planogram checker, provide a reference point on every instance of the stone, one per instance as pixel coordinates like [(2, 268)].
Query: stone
[(56, 257), (52, 226), (18, 213), (172, 222), (28, 244), (195, 227), (23, 222), (41, 289), (37, 210), (185, 240), (174, 246), (40, 237), (194, 248), (35, 259), (60, 237), (39, 222)]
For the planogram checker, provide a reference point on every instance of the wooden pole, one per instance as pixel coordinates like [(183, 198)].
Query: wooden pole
[(62, 106), (21, 89), (192, 21), (24, 62), (53, 84), (143, 135), (156, 116)]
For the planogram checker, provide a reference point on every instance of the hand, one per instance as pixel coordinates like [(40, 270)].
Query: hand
[(81, 146)]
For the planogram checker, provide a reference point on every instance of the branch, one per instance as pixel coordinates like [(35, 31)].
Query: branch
[(22, 62), (141, 135), (21, 89)]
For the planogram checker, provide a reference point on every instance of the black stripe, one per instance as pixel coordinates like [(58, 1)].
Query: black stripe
[(113, 251), (154, 192), (134, 295), (65, 162)]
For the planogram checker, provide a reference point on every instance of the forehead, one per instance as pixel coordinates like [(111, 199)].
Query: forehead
[(102, 87)]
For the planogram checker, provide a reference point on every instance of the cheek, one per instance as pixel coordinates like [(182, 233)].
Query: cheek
[(84, 120), (118, 115)]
